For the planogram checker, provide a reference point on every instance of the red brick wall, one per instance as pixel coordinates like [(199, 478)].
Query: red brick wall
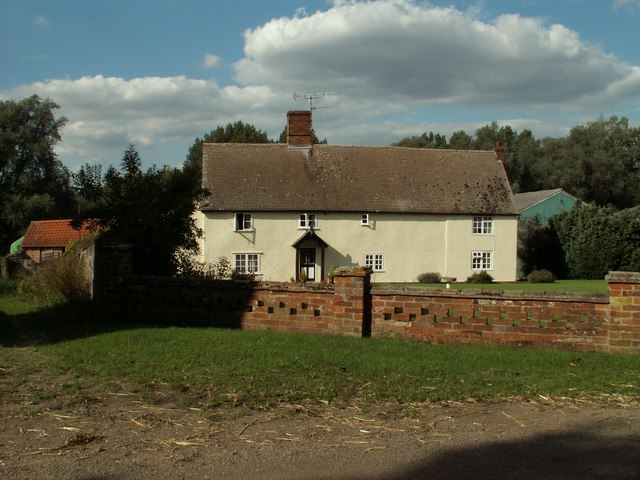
[(352, 307), (511, 318)]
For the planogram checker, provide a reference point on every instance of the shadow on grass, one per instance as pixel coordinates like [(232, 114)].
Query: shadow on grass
[(56, 324), (158, 307), (594, 452)]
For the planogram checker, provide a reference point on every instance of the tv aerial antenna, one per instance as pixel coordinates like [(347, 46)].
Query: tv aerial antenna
[(311, 97)]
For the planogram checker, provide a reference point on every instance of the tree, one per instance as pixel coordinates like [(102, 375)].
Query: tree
[(539, 248), (237, 132), (522, 156), (33, 182), (87, 187), (423, 141), (598, 239), (460, 141), (152, 209)]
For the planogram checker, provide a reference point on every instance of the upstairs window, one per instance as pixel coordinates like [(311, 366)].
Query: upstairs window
[(244, 222), (308, 220), (364, 219), (482, 225)]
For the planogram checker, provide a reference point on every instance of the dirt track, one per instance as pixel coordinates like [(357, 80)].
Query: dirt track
[(120, 437)]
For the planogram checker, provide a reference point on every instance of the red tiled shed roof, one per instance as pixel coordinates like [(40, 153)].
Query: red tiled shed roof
[(53, 233)]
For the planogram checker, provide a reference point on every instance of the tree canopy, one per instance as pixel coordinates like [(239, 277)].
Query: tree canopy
[(33, 182), (597, 162), (237, 132), (152, 209)]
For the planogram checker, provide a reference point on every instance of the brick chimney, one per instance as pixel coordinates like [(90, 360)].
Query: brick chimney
[(299, 129), (500, 153)]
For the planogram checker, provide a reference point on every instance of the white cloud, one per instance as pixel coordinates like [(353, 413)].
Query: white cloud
[(394, 63), (107, 113), (416, 53), (42, 22), (211, 61)]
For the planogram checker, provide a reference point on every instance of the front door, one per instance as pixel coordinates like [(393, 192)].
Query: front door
[(308, 263)]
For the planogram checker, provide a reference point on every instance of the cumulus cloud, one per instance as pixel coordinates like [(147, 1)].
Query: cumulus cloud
[(211, 61), (388, 59), (417, 53), (107, 113)]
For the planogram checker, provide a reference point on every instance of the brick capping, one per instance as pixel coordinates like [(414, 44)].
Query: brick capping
[(394, 289), (352, 306), (623, 277)]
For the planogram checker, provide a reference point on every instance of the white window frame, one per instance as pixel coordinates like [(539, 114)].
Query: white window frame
[(245, 222), (481, 260), (375, 261), (307, 221), (364, 219), (242, 261), (482, 225)]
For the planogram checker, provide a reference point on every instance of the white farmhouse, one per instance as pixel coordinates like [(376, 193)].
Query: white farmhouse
[(282, 209)]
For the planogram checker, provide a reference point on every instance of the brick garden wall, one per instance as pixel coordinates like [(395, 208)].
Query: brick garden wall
[(352, 307), (577, 322)]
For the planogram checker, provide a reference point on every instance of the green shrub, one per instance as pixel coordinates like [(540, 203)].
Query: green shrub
[(429, 277), (7, 286), (480, 277), (187, 267), (541, 276), (63, 279)]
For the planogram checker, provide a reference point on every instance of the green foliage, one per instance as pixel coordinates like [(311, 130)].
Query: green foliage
[(597, 240), (424, 141), (598, 162), (539, 248), (237, 132), (480, 277), (61, 280), (151, 209), (541, 276), (187, 267), (429, 277), (33, 182), (7, 286)]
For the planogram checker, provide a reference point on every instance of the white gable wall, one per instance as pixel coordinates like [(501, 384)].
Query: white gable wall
[(411, 243)]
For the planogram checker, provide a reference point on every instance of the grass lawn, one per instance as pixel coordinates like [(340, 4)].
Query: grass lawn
[(584, 286), (209, 367)]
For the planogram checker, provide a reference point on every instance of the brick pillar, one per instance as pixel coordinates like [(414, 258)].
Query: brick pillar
[(113, 264), (624, 312), (352, 305)]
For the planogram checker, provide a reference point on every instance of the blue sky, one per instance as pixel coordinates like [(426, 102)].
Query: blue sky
[(160, 73)]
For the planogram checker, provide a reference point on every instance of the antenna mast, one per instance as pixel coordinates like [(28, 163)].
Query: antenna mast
[(311, 97)]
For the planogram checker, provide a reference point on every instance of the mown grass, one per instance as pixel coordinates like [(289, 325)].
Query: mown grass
[(209, 367), (583, 286)]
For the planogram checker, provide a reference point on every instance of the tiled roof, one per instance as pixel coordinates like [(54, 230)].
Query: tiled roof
[(529, 199), (52, 233), (273, 177)]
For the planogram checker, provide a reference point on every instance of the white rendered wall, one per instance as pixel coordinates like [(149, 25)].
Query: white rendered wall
[(411, 243)]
